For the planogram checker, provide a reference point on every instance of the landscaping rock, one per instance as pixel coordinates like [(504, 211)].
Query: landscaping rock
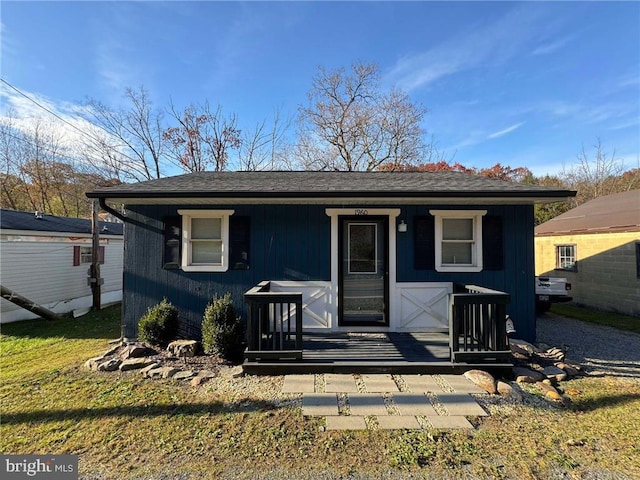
[(554, 373), (203, 376), (184, 348), (169, 372), (110, 365), (135, 363), (482, 379), (155, 372), (145, 371), (569, 369), (550, 391), (527, 375), (507, 390), (136, 350), (523, 346), (184, 375), (92, 363)]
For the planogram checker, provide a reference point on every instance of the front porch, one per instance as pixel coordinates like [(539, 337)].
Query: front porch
[(279, 344)]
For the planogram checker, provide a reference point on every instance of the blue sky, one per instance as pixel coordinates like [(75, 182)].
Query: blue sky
[(524, 84)]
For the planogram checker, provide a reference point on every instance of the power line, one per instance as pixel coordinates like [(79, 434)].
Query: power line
[(113, 149), (48, 110)]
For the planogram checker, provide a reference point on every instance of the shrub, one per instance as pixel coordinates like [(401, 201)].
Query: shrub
[(222, 329), (159, 325)]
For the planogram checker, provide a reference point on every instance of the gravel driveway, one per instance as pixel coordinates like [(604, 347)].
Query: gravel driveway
[(600, 349)]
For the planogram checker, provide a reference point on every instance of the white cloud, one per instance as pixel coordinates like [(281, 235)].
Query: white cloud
[(548, 48), (60, 118), (494, 43), (509, 129)]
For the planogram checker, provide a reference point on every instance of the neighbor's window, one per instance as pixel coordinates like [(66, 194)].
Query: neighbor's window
[(84, 254), (458, 240), (566, 257), (205, 240)]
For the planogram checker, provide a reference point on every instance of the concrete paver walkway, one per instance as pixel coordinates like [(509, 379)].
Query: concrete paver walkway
[(384, 399)]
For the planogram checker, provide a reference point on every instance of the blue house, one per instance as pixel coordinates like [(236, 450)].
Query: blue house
[(338, 269)]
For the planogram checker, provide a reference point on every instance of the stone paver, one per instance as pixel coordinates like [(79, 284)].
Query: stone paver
[(421, 383), (398, 422), (348, 422), (340, 383), (449, 422), (298, 384), (413, 404), (367, 404), (461, 404), (379, 383), (462, 384), (319, 404)]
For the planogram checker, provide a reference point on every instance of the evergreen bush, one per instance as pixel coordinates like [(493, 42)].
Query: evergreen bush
[(159, 325), (223, 330)]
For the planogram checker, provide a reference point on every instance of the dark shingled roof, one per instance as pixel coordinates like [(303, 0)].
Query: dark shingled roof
[(613, 213), (326, 185), (15, 220)]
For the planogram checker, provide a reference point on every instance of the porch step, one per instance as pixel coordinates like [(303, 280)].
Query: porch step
[(399, 367)]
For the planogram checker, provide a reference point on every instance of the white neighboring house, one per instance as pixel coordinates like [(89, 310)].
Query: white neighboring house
[(47, 258)]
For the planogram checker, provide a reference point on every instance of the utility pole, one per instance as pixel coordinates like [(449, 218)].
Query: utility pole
[(94, 271)]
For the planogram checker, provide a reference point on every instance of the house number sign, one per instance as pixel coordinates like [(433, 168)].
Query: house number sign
[(361, 211)]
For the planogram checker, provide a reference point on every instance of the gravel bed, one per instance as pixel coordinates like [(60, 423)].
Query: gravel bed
[(601, 350)]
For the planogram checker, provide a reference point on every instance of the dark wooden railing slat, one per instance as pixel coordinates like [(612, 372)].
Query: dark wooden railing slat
[(477, 325), (267, 338)]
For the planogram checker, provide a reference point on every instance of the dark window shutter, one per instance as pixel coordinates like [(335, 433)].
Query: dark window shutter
[(76, 255), (424, 251), (101, 255), (172, 242), (239, 243), (492, 243)]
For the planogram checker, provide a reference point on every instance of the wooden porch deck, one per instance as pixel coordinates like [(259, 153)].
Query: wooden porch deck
[(391, 352)]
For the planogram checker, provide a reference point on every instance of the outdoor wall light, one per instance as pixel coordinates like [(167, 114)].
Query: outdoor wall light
[(402, 227)]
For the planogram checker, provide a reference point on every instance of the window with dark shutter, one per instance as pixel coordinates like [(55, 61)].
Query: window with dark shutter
[(423, 242), (172, 241), (492, 243), (239, 243), (83, 255)]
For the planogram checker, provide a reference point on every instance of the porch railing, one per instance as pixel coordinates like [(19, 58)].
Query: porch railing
[(477, 330), (271, 334)]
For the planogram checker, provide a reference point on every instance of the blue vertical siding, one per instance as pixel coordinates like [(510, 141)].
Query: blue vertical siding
[(287, 243), (292, 242), (517, 277)]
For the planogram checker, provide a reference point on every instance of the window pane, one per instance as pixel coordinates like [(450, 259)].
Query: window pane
[(456, 253), (206, 252), (206, 228), (362, 249), (457, 229), (86, 254)]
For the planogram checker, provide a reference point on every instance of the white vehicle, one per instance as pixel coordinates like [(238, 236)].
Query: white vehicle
[(551, 290)]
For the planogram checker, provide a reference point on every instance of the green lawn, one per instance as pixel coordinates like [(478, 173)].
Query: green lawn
[(123, 426), (616, 320)]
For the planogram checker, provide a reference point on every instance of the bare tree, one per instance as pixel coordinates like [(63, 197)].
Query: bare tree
[(349, 123), (129, 143), (265, 147), (203, 138), (598, 175)]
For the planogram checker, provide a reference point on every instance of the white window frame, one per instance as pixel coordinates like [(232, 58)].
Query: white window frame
[(560, 257), (187, 216), (86, 254), (476, 242)]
